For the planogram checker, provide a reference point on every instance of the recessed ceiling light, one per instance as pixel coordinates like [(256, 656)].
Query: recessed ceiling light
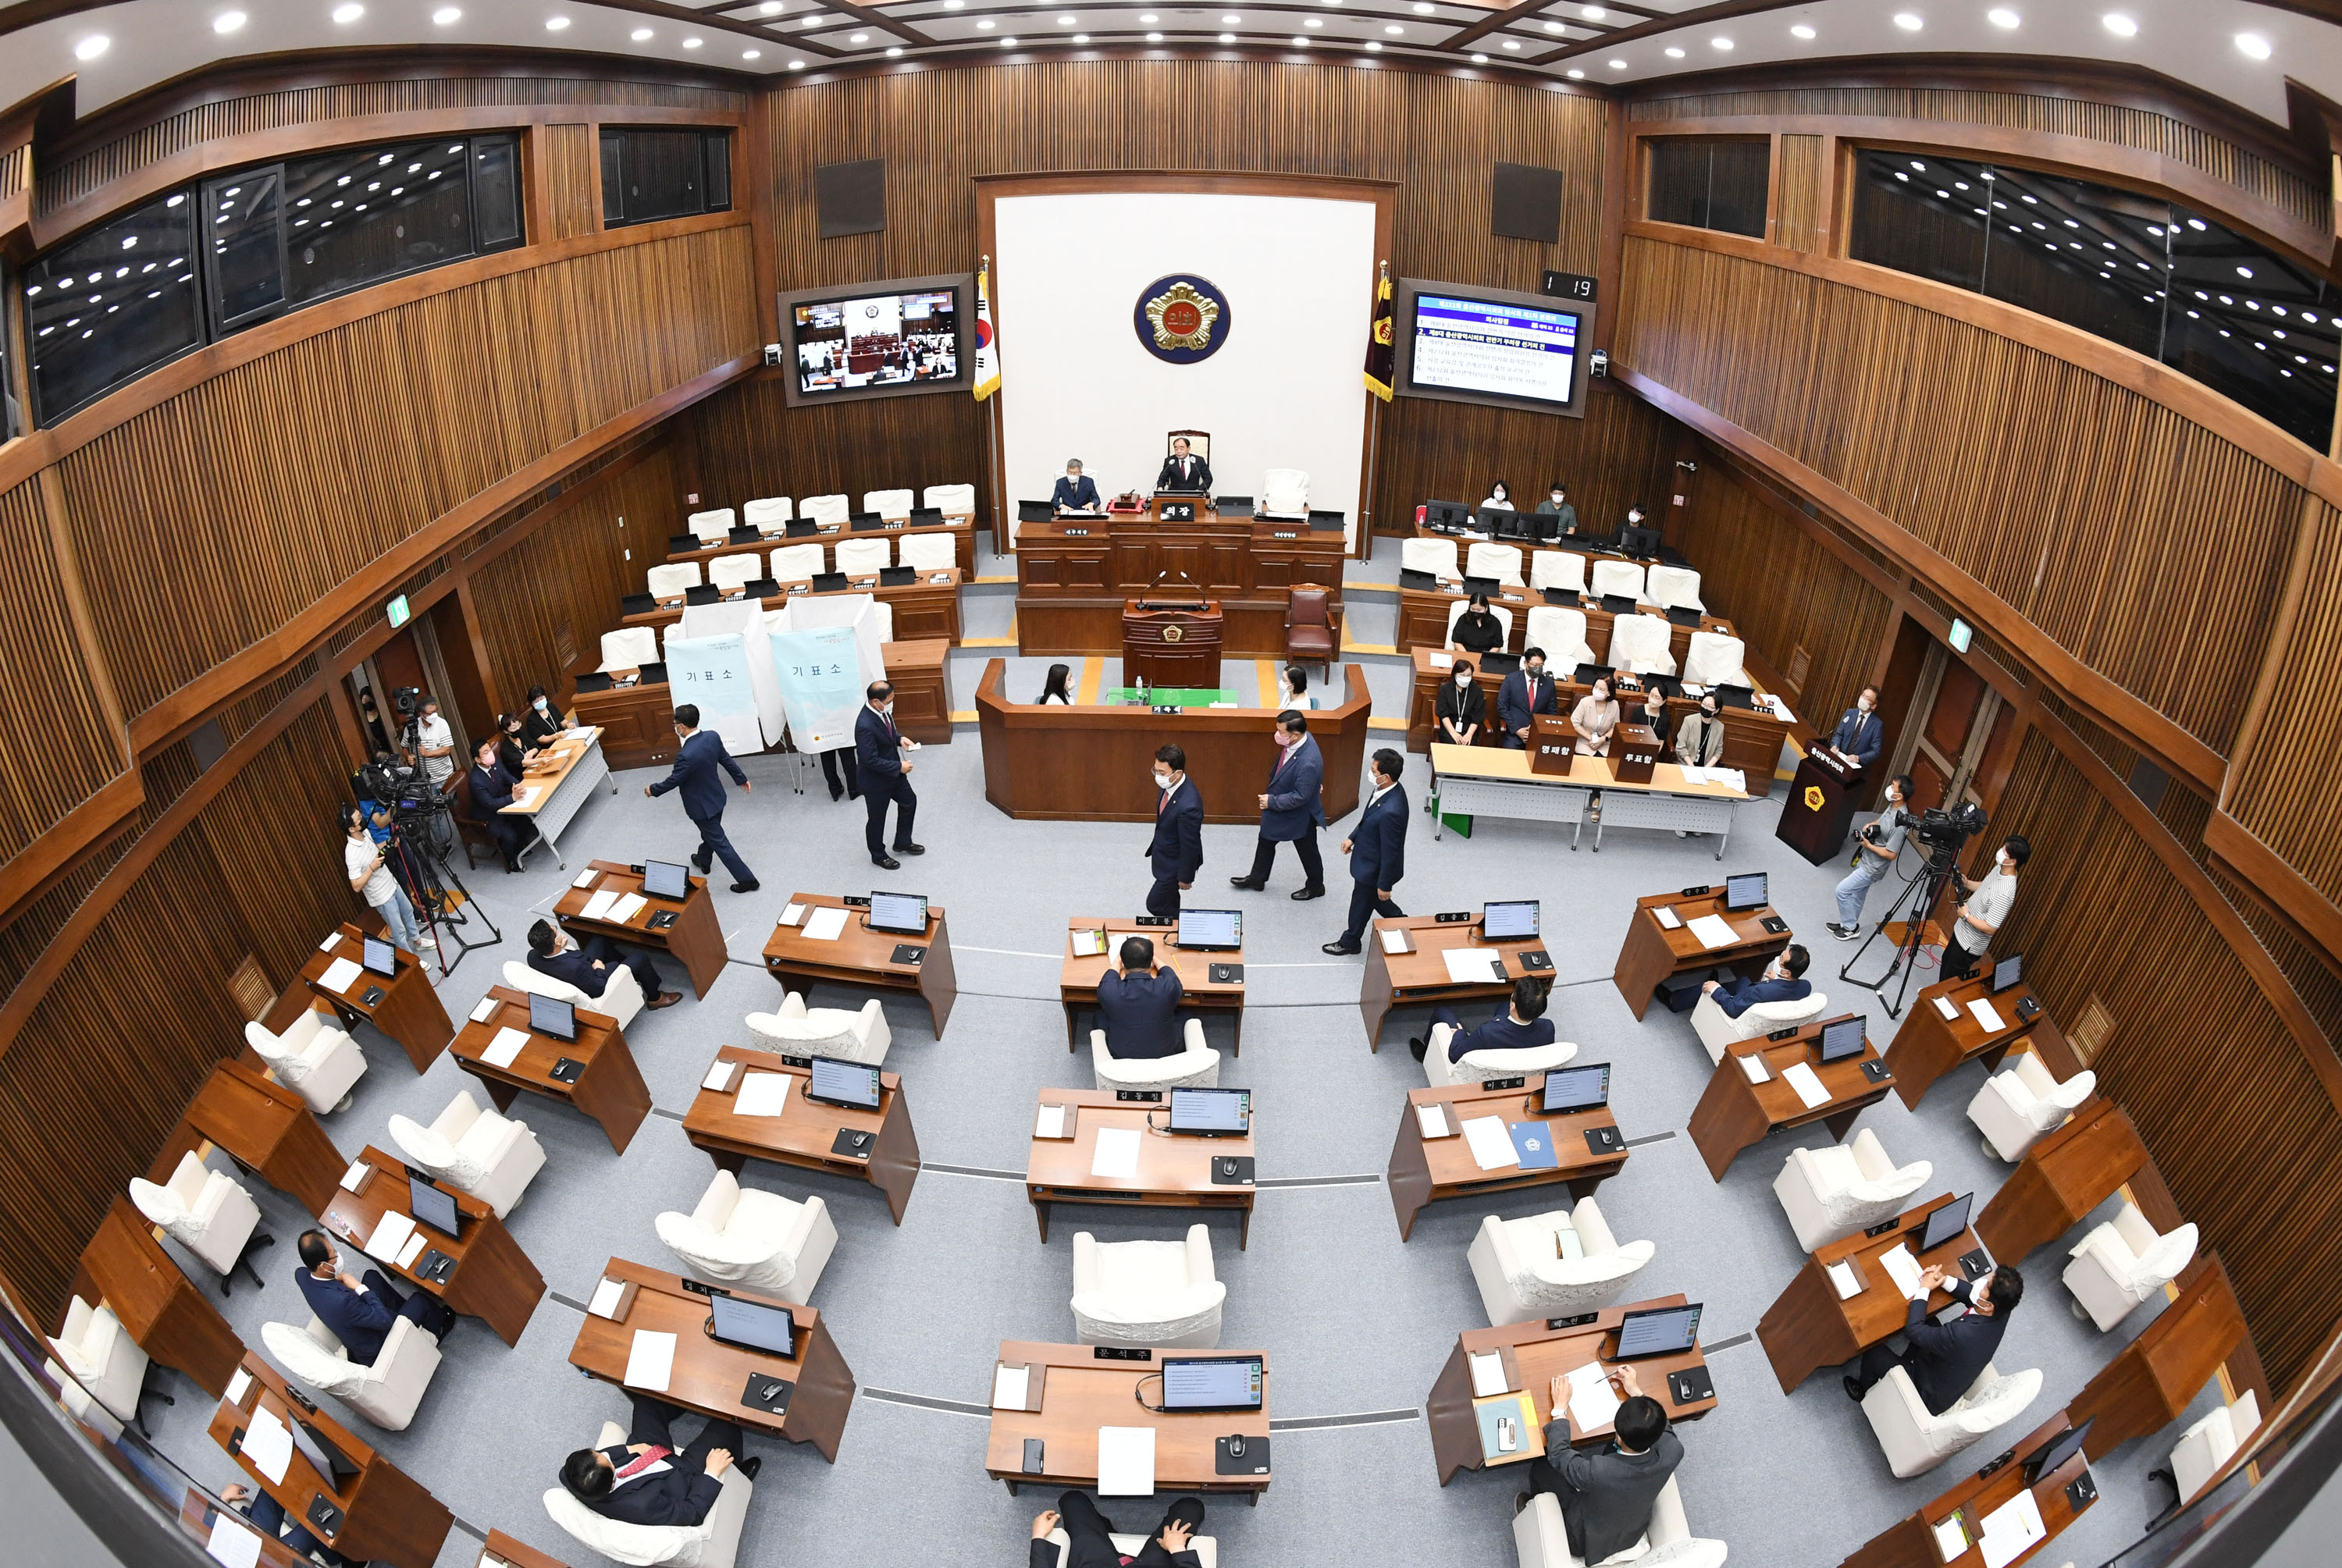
[(2120, 26), (1483, 59), (984, 26), (751, 54), (1150, 19), (2001, 17), (1394, 29), (796, 64), (2196, 224), (1313, 22), (1230, 21), (1227, 37), (2244, 271), (693, 43), (91, 47), (1155, 38), (640, 34), (2253, 44), (1550, 26), (1908, 22), (895, 54), (772, 7), (948, 4), (556, 24), (1674, 53), (1578, 75), (1301, 42), (1721, 42), (228, 21), (1422, 8), (346, 14), (859, 39), (1801, 31), (1066, 21), (1512, 43), (1374, 47), (446, 16), (1618, 64), (1081, 38), (1592, 13)]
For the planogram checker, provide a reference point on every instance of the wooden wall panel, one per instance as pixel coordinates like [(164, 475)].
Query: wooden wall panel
[(1798, 223), (57, 747), (572, 156)]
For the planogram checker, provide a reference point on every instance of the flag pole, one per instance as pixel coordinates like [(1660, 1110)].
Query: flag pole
[(1365, 547), (993, 489)]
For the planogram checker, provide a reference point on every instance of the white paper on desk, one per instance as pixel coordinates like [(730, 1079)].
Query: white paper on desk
[(598, 906), (605, 1303), (528, 794), (327, 945), (1087, 943), (2010, 1528), (1753, 1064), (1984, 1013), (824, 924), (650, 1361), (792, 915), (1591, 1405), (389, 1235), (627, 908), (1904, 1270), (1841, 1277), (232, 1541), (1470, 965), (762, 1095), (353, 1175), (1737, 777), (505, 1047), (1125, 1460), (719, 1076), (1951, 1541), (411, 1251), (1393, 941), (1431, 1121), (339, 974), (1443, 660), (1008, 1387), (237, 1384), (585, 878), (1487, 1373), (1667, 918), (1714, 931), (1050, 1123), (1117, 1155), (485, 1010), (268, 1444), (1491, 1143), (1799, 1075)]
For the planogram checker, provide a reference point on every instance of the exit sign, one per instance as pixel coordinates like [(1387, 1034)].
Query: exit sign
[(399, 613), (1961, 635)]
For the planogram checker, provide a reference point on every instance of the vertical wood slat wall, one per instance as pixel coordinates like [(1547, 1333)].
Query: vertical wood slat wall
[(59, 749), (1798, 224), (572, 153)]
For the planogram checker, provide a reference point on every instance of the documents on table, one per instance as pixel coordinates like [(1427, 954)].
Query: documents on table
[(485, 1010), (1667, 918), (605, 1303), (650, 1361), (719, 1077), (1714, 931), (1904, 1270), (585, 878), (1951, 1541), (505, 1047), (354, 1177), (1944, 1005), (1983, 1011), (2010, 1528), (1730, 778), (1431, 1121), (327, 945), (1117, 1155), (1443, 660), (1843, 1278), (1125, 1460), (1487, 1373), (1753, 1066), (792, 914), (1473, 965), (1591, 1405), (825, 923), (1050, 1123), (411, 1251), (1491, 1142), (390, 1234), (627, 908), (598, 906), (268, 1444), (1088, 944), (339, 974), (1799, 1075), (528, 794), (1009, 1384), (237, 1384), (232, 1541), (1393, 941), (762, 1095)]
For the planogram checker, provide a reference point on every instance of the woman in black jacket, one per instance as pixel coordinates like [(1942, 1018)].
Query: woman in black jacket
[(1461, 709)]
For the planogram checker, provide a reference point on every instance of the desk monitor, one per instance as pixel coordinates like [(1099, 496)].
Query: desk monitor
[(744, 534), (1586, 674), (1494, 519), (1034, 512), (926, 516), (551, 1015), (1211, 930), (323, 1456), (702, 593), (829, 582), (1658, 1331), (593, 681), (1618, 604), (902, 912), (1746, 891), (1945, 1224), (897, 576), (851, 1083), (1213, 1383), (761, 588), (752, 1326), (2052, 1456), (1232, 505), (1445, 513), (380, 958), (652, 674), (864, 522), (1585, 1086), (2007, 973), (1493, 663), (1730, 697), (684, 544), (1213, 1112), (1842, 1038), (637, 603), (1510, 921), (1683, 615), (1325, 522), (664, 879), (799, 528), (1639, 541), (431, 1206)]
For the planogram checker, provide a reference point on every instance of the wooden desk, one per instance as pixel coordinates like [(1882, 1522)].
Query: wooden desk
[(862, 959), (1175, 1170), (1808, 1327), (1081, 1391), (1910, 1542), (161, 1309), (1496, 781), (501, 1548), (2062, 1177), (1426, 1170), (568, 768), (696, 939), (1535, 1353), (1752, 737), (386, 1514), (1077, 980), (268, 1129), (1652, 954), (804, 1134), (1928, 1045), (1174, 645), (610, 1090), (1423, 617), (2152, 1380), (1735, 1113), (637, 722), (711, 1377), (921, 607), (409, 1009), (1073, 575), (960, 527), (1090, 762), (1419, 979), (493, 1279), (197, 1512)]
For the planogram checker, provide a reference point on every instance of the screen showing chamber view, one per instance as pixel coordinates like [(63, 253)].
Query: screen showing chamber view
[(1842, 1038), (845, 1083), (886, 340), (1746, 891), (1517, 919), (1233, 1384), (431, 1206), (1578, 1088), (1946, 1222), (902, 912), (1505, 350), (1210, 1110), (1659, 1332), (1210, 927), (755, 1324), (662, 879)]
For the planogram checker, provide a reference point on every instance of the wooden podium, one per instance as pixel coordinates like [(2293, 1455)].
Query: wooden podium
[(1823, 798), (1171, 647)]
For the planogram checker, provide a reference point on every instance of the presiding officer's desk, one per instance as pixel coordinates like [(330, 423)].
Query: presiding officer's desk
[(1809, 1326), (694, 938), (811, 1135), (1428, 1165), (565, 773), (1176, 1170), (1534, 1353), (1090, 762), (1419, 977), (862, 959), (1736, 1113), (1073, 573), (1651, 953), (1910, 1542), (1071, 1390), (493, 1280), (1499, 782), (609, 1086), (408, 1008), (1753, 737), (926, 606), (1077, 982), (958, 526), (1930, 1045)]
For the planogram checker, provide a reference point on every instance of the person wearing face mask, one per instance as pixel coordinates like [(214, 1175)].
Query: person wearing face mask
[(1654, 711), (1461, 709), (1525, 694), (1377, 850), (1500, 497), (1984, 908), (513, 751), (376, 731), (543, 721), (1291, 809), (1594, 717), (1784, 980), (1556, 504), (694, 774), (1076, 492), (1476, 630), (360, 1312), (1699, 740), (1875, 849), (1859, 734), (1176, 851), (492, 790), (878, 748)]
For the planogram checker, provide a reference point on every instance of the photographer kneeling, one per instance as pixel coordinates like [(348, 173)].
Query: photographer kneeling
[(1874, 857), (371, 880), (1984, 908)]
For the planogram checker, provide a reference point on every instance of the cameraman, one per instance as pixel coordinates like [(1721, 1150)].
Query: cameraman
[(362, 860), (431, 743), (1874, 857), (1984, 908)]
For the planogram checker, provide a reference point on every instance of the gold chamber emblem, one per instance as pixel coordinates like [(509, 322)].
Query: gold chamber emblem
[(1813, 797), (1174, 634), (1182, 317)]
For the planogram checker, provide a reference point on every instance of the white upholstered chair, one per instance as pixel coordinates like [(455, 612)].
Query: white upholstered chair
[(863, 557), (1542, 1540), (100, 1372), (1715, 659), (1549, 1264), (767, 513), (670, 578), (1562, 635), (930, 552), (951, 500), (1436, 556), (1197, 1067), (620, 1000), (1284, 493), (2209, 1444), (1916, 1441), (1480, 1065), (1622, 577), (1502, 562), (758, 1241), (891, 504), (1206, 1548), (1832, 1192), (2021, 1102), (825, 509), (313, 1057), (1674, 588), (730, 572), (841, 1033), (629, 648), (1455, 610), (713, 524), (1147, 1292), (1557, 569), (883, 612), (477, 1151), (797, 563), (206, 1214), (1715, 1031), (1639, 644), (2124, 1263), (712, 1543), (385, 1393)]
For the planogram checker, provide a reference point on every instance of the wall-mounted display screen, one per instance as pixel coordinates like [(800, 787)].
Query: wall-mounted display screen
[(1470, 345), (877, 340)]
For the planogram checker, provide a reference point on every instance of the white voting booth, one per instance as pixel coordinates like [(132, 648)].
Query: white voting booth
[(717, 659), (825, 653)]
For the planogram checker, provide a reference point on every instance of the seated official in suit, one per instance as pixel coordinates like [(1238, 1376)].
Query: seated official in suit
[(268, 1516), (1183, 472), (1525, 694), (1089, 1536), (1944, 1360), (492, 791), (1377, 850), (1138, 1006), (1607, 1495), (1558, 505), (1522, 1025), (647, 1481), (587, 964), (1782, 981), (359, 1312), (1176, 853), (1859, 734), (1460, 708), (1476, 630), (1076, 492)]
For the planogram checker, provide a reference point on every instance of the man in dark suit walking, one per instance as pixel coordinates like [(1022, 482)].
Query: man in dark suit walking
[(1183, 472), (1525, 693), (360, 1312), (1292, 809), (703, 794), (1944, 1360), (1177, 850), (1138, 1007), (1378, 852), (647, 1481), (588, 965), (878, 748)]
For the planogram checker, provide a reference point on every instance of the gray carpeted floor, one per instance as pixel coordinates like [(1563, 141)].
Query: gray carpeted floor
[(1355, 1323)]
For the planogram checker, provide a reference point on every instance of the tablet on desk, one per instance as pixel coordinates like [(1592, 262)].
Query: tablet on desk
[(1211, 930), (1218, 1383)]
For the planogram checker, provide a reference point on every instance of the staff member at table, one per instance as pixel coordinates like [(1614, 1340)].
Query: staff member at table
[(1460, 708), (1525, 693), (1654, 711), (1859, 734), (1177, 850), (492, 791), (1476, 630), (1558, 505), (512, 750), (543, 721), (1596, 716), (1699, 741), (1183, 472), (1076, 492), (1291, 809), (1378, 852)]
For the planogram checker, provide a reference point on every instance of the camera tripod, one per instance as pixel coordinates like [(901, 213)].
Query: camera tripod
[(1911, 905), (423, 869)]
